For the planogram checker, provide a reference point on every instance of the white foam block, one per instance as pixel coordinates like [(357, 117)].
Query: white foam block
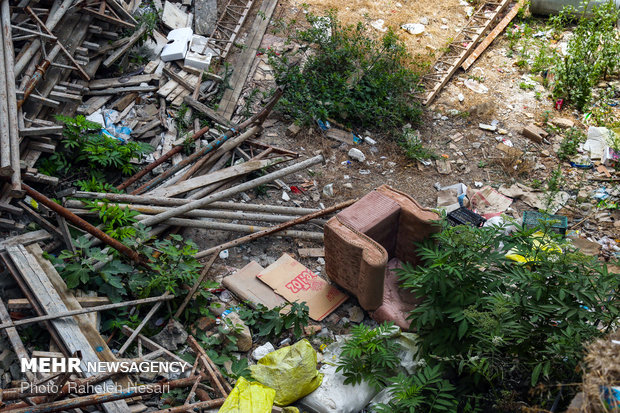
[(178, 44), (199, 55)]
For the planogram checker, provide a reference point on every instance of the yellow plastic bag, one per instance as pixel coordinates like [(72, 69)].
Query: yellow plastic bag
[(249, 397), (291, 371), (540, 241)]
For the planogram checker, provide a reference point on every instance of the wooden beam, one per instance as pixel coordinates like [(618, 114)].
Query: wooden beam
[(85, 302), (491, 36)]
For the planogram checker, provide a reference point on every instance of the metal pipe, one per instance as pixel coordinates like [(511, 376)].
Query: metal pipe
[(197, 213), (258, 118), (9, 65), (80, 223), (5, 145), (191, 159), (147, 200), (276, 229), (224, 226), (199, 203)]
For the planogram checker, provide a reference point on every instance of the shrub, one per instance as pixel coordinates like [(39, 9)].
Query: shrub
[(351, 76), (571, 141), (500, 326), (84, 146), (592, 53)]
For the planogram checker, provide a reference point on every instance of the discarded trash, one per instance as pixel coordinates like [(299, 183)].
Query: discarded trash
[(532, 219), (488, 202), (261, 351), (484, 126), (250, 397), (295, 282), (356, 154), (413, 28), (465, 216), (178, 44), (224, 254), (285, 196), (369, 140), (378, 24), (328, 190), (597, 141), (476, 86), (291, 371)]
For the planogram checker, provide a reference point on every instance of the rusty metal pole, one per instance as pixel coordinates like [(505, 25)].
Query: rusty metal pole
[(234, 131), (79, 222)]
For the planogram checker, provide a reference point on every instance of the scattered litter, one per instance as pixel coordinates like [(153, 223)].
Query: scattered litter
[(328, 190), (476, 86), (261, 351), (285, 196), (357, 155), (378, 24), (413, 28), (251, 397), (224, 254)]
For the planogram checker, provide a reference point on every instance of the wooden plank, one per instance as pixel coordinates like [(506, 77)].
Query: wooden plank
[(217, 176), (40, 220), (42, 147), (213, 115), (26, 239), (65, 97), (92, 104), (121, 81), (491, 36), (244, 63), (40, 130), (16, 342), (133, 39), (116, 90), (85, 302), (69, 329), (311, 252)]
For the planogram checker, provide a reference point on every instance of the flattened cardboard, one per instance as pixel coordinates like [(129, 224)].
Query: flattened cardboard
[(295, 282), (246, 286)]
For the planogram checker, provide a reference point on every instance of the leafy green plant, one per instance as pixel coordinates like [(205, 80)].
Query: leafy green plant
[(81, 269), (353, 77), (570, 143), (526, 86), (272, 322), (592, 52), (96, 183), (84, 145), (117, 221), (427, 390), (495, 324), (414, 148), (370, 355)]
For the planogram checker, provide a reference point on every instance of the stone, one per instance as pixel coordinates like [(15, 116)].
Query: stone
[(357, 155), (205, 16), (312, 329), (443, 166), (562, 123), (171, 336), (293, 130), (461, 97), (534, 133), (370, 140), (348, 185), (490, 128), (261, 351), (242, 332), (356, 314)]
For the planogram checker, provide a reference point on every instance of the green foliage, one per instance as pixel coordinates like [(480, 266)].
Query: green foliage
[(80, 269), (351, 76), (413, 146), (84, 145), (117, 221), (96, 183), (495, 324), (592, 52), (571, 141), (370, 355), (526, 86), (271, 323), (425, 391)]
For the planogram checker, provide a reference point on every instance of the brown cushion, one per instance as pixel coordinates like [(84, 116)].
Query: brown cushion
[(375, 215)]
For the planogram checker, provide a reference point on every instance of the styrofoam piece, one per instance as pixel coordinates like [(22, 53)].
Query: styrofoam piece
[(178, 44), (199, 54)]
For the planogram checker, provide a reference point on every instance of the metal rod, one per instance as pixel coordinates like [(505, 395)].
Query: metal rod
[(84, 311), (80, 223), (275, 229), (199, 203)]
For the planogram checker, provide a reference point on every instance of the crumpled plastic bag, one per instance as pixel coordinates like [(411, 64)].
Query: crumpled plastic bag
[(291, 371), (249, 397)]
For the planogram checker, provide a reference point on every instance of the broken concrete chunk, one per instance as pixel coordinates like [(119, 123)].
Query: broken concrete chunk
[(563, 123), (357, 155), (534, 133), (171, 336), (443, 166), (205, 16), (199, 54), (490, 128), (178, 43), (175, 18), (292, 130)]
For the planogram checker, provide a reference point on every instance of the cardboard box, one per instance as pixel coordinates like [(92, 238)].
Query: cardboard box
[(295, 282)]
